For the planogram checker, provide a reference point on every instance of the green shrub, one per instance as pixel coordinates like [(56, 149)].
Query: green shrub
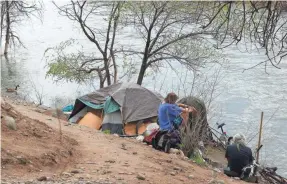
[(107, 132)]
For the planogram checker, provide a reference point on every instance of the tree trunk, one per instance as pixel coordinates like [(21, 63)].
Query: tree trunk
[(115, 67), (102, 82), (106, 60), (145, 58), (141, 73), (2, 19), (7, 37)]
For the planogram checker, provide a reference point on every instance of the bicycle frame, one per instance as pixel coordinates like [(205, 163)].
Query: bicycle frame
[(224, 139)]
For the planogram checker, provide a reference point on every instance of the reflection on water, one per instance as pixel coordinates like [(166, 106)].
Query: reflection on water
[(242, 95), (11, 73)]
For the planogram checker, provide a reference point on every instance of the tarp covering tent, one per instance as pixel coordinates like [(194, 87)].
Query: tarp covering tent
[(201, 114), (132, 100), (91, 120), (113, 123)]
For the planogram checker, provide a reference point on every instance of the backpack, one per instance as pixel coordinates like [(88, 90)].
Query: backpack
[(159, 140), (164, 140), (248, 174)]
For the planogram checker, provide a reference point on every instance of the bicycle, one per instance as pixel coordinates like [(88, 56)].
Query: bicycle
[(223, 139), (268, 173)]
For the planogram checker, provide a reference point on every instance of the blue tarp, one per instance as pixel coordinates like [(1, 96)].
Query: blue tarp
[(68, 108), (109, 106), (94, 106)]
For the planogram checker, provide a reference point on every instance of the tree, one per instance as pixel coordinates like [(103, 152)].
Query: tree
[(12, 14), (119, 13), (165, 28), (259, 23), (104, 41), (180, 32), (169, 27)]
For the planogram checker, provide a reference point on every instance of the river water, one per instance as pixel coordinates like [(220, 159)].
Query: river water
[(240, 96)]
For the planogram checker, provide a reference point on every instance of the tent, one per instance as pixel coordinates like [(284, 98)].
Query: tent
[(120, 103)]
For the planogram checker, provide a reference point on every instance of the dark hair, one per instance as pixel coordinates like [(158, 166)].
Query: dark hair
[(171, 98)]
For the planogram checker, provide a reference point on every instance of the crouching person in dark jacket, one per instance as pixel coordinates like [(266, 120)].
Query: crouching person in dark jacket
[(238, 156)]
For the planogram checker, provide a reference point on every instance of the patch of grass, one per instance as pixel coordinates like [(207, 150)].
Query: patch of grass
[(198, 159), (107, 132), (22, 161), (181, 146)]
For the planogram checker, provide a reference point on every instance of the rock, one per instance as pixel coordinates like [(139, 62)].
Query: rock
[(220, 182), (75, 171), (110, 161), (65, 174), (22, 161), (177, 168), (214, 181), (190, 176), (140, 177), (106, 172), (123, 146), (140, 138), (29, 182), (173, 150), (81, 178), (10, 122), (173, 173), (217, 170), (134, 153), (42, 178), (25, 134)]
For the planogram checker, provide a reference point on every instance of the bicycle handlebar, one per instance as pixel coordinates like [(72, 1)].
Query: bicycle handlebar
[(258, 149), (220, 125)]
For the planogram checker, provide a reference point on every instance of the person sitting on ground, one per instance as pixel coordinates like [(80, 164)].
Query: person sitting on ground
[(169, 111), (238, 156)]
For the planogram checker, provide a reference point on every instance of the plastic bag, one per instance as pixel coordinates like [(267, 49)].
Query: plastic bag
[(150, 128)]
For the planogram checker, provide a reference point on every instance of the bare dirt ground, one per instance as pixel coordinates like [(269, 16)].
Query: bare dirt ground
[(34, 152)]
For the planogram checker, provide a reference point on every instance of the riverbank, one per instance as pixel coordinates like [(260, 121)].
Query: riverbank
[(42, 148)]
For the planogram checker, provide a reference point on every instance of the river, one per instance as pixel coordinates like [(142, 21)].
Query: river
[(241, 96)]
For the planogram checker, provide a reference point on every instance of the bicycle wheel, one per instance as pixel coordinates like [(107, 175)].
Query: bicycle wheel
[(272, 178)]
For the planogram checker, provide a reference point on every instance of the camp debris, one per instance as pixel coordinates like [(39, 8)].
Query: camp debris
[(68, 109), (122, 108)]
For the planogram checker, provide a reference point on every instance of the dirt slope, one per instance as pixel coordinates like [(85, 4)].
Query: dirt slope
[(96, 158), (31, 145)]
